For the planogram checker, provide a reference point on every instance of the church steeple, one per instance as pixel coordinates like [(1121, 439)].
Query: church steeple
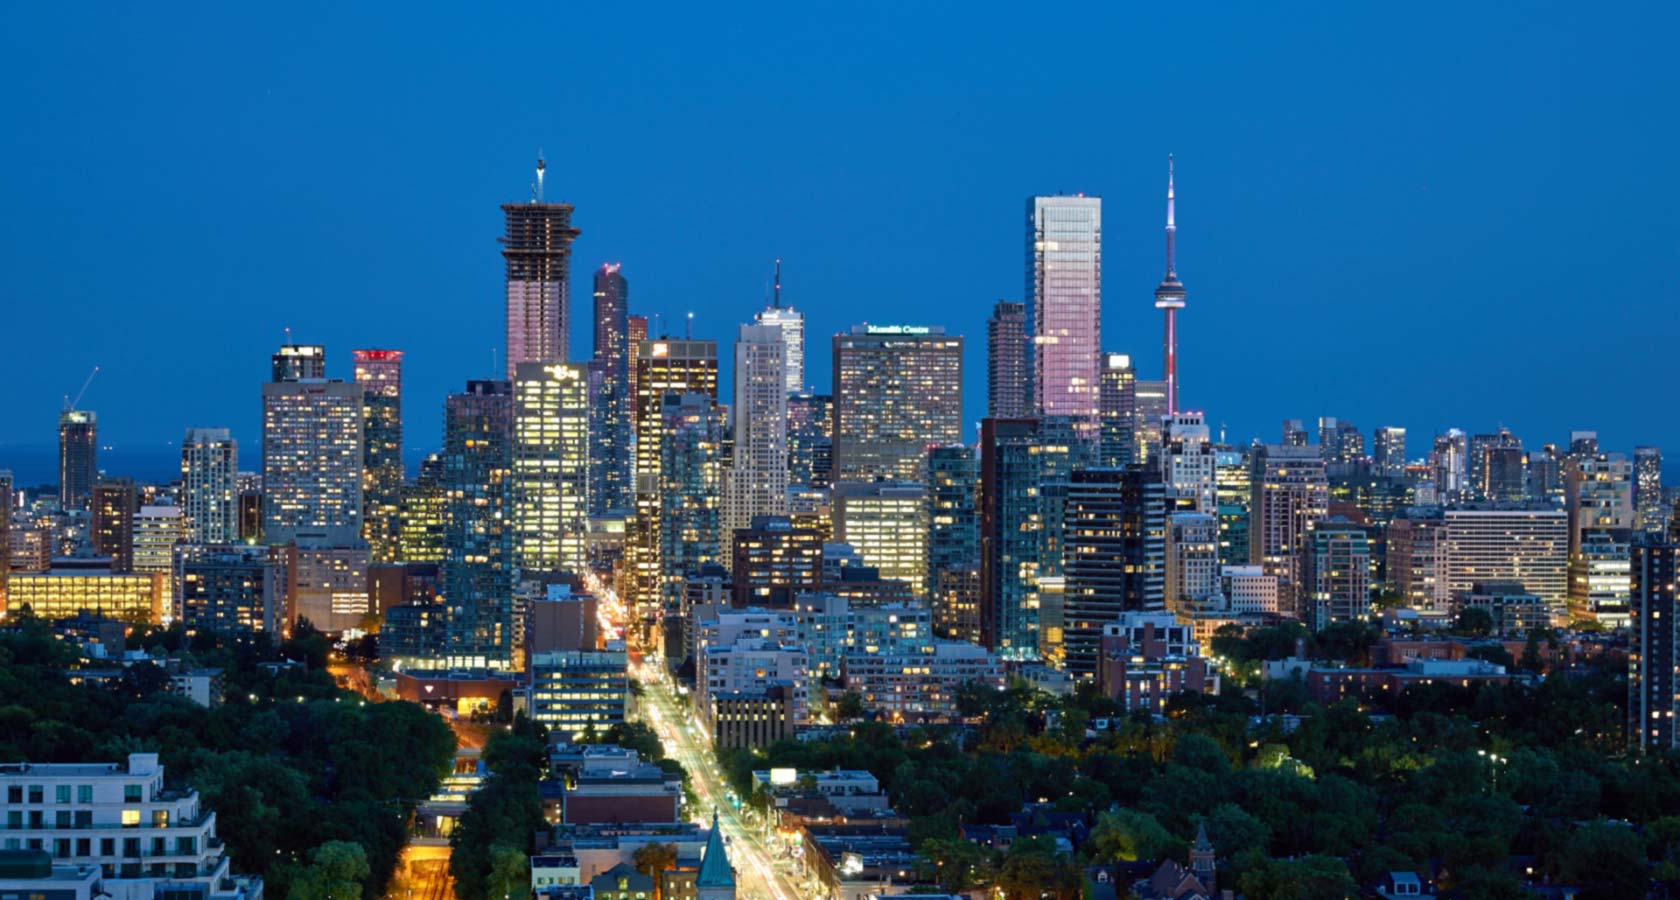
[(1202, 857), (716, 879)]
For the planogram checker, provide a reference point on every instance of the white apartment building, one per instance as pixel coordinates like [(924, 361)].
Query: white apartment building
[(147, 841), (750, 665)]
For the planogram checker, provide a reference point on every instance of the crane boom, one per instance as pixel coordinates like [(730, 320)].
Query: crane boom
[(71, 404)]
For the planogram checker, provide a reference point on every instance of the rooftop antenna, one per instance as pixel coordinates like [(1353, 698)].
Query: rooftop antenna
[(540, 167), (778, 294), (688, 330), (288, 335), (493, 362), (656, 326)]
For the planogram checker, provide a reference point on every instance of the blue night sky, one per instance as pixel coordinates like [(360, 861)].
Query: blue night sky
[(1456, 215)]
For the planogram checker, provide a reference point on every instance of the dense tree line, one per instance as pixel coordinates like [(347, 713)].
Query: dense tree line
[(294, 768), (1476, 781), (493, 839)]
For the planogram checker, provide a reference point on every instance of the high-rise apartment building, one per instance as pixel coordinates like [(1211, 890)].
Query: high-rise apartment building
[(111, 526), (612, 467), (1149, 400), (1064, 304), (886, 523), (157, 529), (667, 367), (1598, 495), (550, 490), (1525, 543), (232, 588), (1117, 430), (1017, 459), (953, 543), (1189, 464), (312, 462), (897, 390), (1234, 492), (691, 531), (1449, 460), (1416, 559), (538, 251), (1654, 654), (1115, 561), (477, 570), (1008, 388), (1388, 451), (379, 374), (1651, 514), (1493, 466), (1192, 564), (1337, 573), (810, 439), (210, 485), (757, 480), (773, 562), (1290, 495), (78, 457), (424, 513)]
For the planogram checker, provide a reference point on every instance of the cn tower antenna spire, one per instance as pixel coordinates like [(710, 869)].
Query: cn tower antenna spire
[(1169, 297), (1172, 227)]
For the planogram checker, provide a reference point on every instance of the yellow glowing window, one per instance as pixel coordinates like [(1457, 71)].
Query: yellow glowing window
[(130, 818)]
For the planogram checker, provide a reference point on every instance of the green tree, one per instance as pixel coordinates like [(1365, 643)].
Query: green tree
[(1607, 861), (652, 859), (1128, 835), (1305, 878), (1473, 621), (336, 871), (1033, 869), (510, 873)]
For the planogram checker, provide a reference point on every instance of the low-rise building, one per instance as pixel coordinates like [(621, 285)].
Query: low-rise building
[(1513, 610), (1144, 658), (920, 686), (63, 592), (578, 691), (1328, 685)]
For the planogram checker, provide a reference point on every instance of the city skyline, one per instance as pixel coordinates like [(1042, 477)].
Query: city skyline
[(1312, 240)]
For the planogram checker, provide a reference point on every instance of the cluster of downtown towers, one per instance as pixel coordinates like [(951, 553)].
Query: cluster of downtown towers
[(1089, 494)]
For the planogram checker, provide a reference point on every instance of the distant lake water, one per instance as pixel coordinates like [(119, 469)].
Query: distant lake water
[(35, 465)]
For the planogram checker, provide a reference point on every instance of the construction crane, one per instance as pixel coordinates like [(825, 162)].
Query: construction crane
[(70, 404)]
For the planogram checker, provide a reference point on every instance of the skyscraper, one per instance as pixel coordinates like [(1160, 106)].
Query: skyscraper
[(477, 570), (1018, 457), (897, 391), (611, 465), (1598, 494), (1509, 542), (810, 439), (1291, 494), (538, 251), (690, 531), (1008, 392), (886, 523), (1484, 461), (298, 362), (115, 501), (663, 368), (550, 490), (78, 457), (1169, 297), (1188, 464), (792, 324), (1388, 451), (210, 485), (953, 546), (1117, 407), (1116, 522), (1651, 513), (312, 462), (1064, 303), (1234, 492), (756, 484), (157, 529), (379, 373), (1337, 574), (1150, 403), (1654, 654)]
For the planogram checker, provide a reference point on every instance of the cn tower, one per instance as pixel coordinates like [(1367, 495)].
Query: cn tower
[(1170, 297)]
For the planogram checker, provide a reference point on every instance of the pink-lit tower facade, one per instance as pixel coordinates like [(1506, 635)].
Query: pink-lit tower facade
[(1170, 298), (538, 251)]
